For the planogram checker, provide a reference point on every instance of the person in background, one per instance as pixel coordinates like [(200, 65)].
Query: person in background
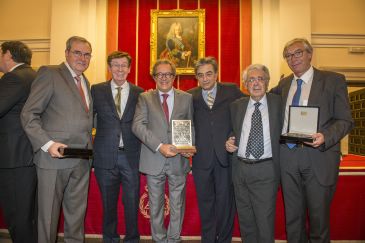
[(116, 148), (18, 179)]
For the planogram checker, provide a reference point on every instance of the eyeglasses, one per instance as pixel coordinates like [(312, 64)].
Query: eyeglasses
[(119, 66), (164, 75), (296, 54), (207, 75), (258, 79), (80, 54)]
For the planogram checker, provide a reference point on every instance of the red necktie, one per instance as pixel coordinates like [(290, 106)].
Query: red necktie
[(165, 107), (81, 91)]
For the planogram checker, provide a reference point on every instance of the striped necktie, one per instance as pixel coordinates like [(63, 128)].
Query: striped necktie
[(117, 101), (210, 99)]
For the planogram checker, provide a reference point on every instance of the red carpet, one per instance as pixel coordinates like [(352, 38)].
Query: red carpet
[(347, 212)]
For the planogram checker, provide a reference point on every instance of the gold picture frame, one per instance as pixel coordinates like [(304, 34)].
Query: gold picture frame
[(178, 35)]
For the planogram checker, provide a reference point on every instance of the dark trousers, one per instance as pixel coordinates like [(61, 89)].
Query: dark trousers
[(214, 190), (109, 181), (302, 192), (18, 202), (256, 188)]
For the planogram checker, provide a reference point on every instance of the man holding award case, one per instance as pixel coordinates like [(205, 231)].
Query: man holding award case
[(152, 124)]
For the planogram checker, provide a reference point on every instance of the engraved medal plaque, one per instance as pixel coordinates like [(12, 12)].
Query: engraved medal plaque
[(182, 136), (302, 123)]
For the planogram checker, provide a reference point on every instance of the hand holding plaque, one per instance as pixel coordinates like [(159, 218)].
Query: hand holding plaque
[(182, 136), (302, 124)]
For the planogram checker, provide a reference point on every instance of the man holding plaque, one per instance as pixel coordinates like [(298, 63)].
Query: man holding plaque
[(58, 114), (211, 165), (256, 123), (160, 159), (116, 148), (309, 170)]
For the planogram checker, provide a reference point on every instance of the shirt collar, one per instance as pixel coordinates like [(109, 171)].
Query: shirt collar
[(71, 71), (170, 92), (263, 101), (307, 76), (114, 85), (213, 90), (17, 65)]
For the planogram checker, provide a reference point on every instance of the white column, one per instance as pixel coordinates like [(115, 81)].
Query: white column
[(86, 18)]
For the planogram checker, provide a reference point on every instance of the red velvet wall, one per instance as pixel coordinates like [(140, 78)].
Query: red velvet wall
[(232, 52)]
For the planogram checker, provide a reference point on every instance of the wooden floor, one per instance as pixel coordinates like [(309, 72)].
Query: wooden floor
[(4, 238)]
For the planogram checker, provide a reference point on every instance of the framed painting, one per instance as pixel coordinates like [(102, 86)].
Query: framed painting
[(178, 35)]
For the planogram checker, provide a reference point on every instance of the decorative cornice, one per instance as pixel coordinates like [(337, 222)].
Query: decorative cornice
[(321, 40), (355, 76), (36, 45)]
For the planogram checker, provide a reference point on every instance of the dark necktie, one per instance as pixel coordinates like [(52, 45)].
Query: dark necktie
[(165, 107), (117, 101), (295, 101), (255, 143), (81, 91)]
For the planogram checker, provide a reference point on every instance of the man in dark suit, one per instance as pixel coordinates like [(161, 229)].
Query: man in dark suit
[(159, 158), (116, 149), (256, 123), (309, 171), (18, 179), (212, 169), (57, 114)]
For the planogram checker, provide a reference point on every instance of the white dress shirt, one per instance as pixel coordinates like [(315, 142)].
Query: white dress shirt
[(123, 100), (246, 127), (307, 78)]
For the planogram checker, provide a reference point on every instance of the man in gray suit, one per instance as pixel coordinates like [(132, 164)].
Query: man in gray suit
[(159, 158), (309, 171), (255, 164), (58, 114)]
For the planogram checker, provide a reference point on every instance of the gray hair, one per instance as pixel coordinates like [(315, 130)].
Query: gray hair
[(163, 61), (204, 61), (304, 41), (259, 67), (73, 39)]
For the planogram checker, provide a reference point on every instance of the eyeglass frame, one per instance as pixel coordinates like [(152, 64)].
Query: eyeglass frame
[(164, 75), (296, 54), (258, 79), (119, 66), (208, 74), (80, 54)]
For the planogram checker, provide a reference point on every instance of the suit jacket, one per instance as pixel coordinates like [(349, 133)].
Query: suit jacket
[(238, 111), (15, 147), (109, 127), (329, 92), (55, 111), (213, 126), (151, 127)]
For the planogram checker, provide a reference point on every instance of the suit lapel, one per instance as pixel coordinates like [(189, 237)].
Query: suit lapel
[(69, 80), (131, 94), (271, 107), (285, 93), (316, 89), (241, 112), (109, 98), (158, 104)]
